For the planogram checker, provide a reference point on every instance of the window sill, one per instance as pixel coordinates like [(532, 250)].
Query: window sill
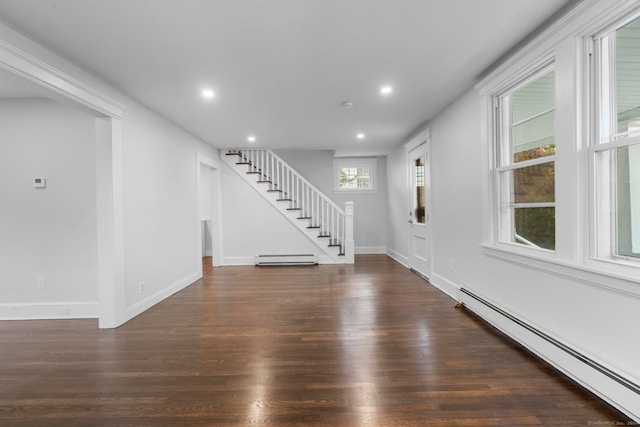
[(610, 276)]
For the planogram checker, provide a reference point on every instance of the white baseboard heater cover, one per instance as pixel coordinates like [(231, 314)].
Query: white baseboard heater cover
[(295, 259), (624, 381)]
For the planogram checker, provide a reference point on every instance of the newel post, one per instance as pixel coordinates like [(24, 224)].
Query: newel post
[(349, 245)]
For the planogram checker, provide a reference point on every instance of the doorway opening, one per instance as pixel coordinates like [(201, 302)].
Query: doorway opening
[(205, 206), (209, 213)]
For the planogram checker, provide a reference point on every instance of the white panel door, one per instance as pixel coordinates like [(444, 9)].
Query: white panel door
[(419, 225)]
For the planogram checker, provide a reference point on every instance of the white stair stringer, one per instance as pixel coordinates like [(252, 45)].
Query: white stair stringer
[(323, 222)]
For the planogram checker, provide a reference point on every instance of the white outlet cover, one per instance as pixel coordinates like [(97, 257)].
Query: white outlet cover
[(39, 182)]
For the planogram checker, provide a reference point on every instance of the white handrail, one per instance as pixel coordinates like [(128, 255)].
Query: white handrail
[(257, 160)]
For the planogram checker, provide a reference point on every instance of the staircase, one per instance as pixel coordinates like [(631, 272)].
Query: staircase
[(313, 213)]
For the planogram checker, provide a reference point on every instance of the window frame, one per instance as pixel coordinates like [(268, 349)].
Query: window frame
[(504, 207), (604, 144), (566, 42), (342, 163)]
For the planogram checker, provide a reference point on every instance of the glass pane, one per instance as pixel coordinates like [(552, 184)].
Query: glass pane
[(363, 181), (535, 227), (534, 138), (355, 177), (628, 76), (420, 196), (533, 119), (534, 98), (534, 184), (628, 201), (347, 177)]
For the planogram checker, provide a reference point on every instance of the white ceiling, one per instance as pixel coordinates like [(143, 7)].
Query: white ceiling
[(281, 69)]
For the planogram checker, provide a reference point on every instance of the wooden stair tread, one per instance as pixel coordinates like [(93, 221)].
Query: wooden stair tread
[(314, 226), (284, 200), (263, 182), (294, 209), (274, 191), (304, 217), (243, 163)]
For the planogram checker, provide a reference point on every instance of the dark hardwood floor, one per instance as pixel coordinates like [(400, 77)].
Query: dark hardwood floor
[(364, 345)]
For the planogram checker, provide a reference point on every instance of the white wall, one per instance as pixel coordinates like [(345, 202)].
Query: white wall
[(205, 204), (156, 171), (579, 311), (161, 215), (586, 305), (50, 232), (205, 193), (398, 202), (370, 218), (456, 193)]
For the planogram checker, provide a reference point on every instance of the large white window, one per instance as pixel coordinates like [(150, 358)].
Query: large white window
[(525, 172), (616, 149), (574, 211)]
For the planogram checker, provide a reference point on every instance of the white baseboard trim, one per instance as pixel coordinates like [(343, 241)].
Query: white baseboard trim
[(325, 259), (446, 286), (49, 310), (402, 259), (370, 250), (155, 298), (603, 386)]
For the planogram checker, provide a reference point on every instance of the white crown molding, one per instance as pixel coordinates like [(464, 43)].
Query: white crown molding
[(36, 71), (420, 138), (578, 21)]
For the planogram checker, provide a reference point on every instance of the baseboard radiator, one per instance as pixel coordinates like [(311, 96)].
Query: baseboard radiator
[(295, 259), (581, 357)]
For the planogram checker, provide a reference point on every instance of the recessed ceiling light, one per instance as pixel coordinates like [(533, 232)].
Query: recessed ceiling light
[(208, 94), (386, 90), (360, 136), (347, 104), (251, 138)]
